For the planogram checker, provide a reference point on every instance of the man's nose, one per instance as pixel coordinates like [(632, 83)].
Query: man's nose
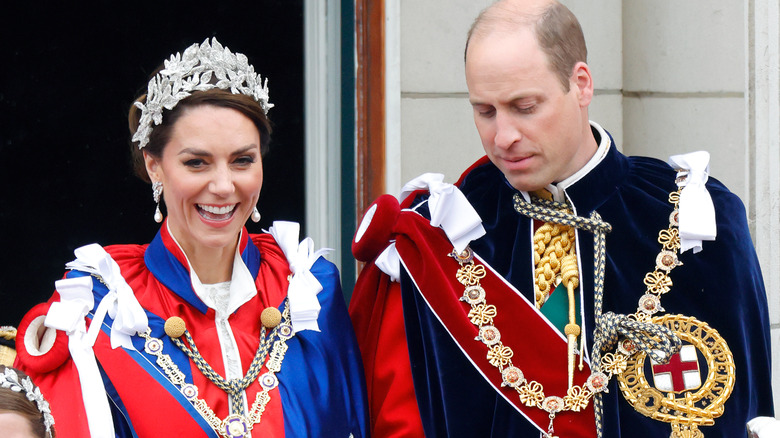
[(507, 133)]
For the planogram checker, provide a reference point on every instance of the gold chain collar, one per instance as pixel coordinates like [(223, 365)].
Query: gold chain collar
[(530, 392), (235, 425)]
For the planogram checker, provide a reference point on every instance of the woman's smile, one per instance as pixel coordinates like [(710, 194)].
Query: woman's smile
[(216, 213)]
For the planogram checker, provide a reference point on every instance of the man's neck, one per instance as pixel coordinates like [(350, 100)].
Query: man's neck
[(603, 141)]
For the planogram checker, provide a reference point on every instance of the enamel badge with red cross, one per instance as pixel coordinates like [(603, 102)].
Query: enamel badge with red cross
[(680, 374), (677, 393)]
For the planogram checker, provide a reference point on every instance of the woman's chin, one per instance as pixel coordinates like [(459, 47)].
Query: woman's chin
[(197, 233), (218, 241)]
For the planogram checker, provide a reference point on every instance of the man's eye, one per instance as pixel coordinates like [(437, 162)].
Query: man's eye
[(486, 112)]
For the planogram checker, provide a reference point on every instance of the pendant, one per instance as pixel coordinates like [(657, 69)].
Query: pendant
[(235, 426), (678, 394)]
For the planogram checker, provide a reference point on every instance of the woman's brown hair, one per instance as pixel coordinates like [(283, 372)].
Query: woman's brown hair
[(17, 403)]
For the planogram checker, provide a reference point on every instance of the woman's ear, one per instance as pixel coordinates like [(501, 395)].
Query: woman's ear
[(152, 166)]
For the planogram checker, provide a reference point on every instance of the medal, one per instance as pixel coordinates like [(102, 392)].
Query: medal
[(677, 395)]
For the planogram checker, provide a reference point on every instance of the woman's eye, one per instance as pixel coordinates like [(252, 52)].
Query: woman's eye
[(195, 163), (245, 160)]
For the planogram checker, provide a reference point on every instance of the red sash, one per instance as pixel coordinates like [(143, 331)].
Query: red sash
[(539, 349)]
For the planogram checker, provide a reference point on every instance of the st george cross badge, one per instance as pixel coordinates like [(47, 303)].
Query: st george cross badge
[(680, 374), (678, 395)]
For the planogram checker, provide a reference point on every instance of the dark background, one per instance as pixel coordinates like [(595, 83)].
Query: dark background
[(70, 71)]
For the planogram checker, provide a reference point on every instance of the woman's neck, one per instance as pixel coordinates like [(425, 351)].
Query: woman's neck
[(213, 265)]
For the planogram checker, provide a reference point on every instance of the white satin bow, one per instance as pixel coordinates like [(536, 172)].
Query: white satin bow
[(304, 286), (449, 209), (120, 302), (697, 213), (76, 301)]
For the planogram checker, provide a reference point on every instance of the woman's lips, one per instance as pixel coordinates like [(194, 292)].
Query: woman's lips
[(216, 215)]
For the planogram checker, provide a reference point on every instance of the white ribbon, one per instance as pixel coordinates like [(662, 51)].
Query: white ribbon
[(449, 209), (120, 302), (697, 213), (389, 262), (304, 286), (76, 300), (763, 427)]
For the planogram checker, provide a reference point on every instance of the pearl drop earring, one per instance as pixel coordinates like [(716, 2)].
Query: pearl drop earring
[(157, 189)]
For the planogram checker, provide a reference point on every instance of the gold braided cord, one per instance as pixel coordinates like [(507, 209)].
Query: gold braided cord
[(555, 255), (552, 242), (654, 340)]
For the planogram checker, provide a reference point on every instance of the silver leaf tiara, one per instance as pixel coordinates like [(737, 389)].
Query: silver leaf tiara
[(10, 380), (194, 71)]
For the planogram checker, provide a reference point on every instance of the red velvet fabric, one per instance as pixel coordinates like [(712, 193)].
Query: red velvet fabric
[(377, 314), (376, 311), (539, 350), (377, 231)]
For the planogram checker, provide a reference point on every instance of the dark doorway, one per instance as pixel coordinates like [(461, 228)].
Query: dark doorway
[(69, 73)]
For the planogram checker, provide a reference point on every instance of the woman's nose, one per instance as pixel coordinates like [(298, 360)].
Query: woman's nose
[(222, 182)]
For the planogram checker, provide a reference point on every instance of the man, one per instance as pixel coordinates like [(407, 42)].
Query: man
[(575, 245)]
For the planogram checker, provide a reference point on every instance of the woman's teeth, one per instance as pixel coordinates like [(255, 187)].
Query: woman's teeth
[(217, 210), (216, 213)]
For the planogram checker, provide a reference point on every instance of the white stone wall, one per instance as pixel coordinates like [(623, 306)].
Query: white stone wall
[(684, 91), (671, 77), (437, 128)]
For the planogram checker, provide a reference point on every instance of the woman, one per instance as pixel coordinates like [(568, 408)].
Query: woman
[(206, 331), (24, 413)]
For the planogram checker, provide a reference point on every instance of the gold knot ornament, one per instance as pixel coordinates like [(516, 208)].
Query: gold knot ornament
[(271, 317), (175, 327)]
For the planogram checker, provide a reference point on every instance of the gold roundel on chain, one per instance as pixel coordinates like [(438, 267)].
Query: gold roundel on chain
[(489, 335), (474, 294), (512, 376), (677, 395), (666, 261), (674, 218)]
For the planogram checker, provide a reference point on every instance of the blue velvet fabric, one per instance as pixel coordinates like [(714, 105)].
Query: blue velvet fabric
[(721, 286), (321, 382)]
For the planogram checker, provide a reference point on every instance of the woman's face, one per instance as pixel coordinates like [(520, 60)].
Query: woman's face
[(211, 171)]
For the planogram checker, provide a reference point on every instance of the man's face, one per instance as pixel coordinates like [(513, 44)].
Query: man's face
[(532, 130)]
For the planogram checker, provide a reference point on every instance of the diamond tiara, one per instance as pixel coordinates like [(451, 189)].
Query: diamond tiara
[(193, 71), (10, 380)]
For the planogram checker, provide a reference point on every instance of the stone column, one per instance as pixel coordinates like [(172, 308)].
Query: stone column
[(763, 140)]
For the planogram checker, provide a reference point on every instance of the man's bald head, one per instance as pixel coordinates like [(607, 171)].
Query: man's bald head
[(557, 31)]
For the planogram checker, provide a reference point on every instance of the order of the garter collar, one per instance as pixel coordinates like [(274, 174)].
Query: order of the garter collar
[(193, 71)]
